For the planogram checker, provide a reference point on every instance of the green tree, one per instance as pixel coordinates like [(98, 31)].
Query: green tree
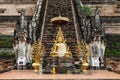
[(88, 10), (6, 42)]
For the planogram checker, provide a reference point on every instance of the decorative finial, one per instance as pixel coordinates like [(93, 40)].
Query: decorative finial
[(60, 20), (85, 55)]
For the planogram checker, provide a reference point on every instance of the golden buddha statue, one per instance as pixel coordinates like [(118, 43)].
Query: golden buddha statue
[(60, 48)]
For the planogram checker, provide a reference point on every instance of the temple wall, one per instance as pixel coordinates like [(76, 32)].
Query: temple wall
[(111, 24), (7, 28), (8, 23), (109, 10), (14, 9), (112, 29), (10, 12)]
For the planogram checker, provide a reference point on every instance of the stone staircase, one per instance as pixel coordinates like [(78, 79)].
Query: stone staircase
[(54, 9)]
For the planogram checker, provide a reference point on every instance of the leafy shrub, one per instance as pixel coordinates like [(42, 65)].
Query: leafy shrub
[(6, 42), (7, 53), (113, 45), (88, 10)]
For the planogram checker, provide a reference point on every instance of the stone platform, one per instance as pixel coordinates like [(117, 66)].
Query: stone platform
[(29, 74)]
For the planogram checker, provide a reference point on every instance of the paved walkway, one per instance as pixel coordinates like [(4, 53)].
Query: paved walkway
[(29, 74)]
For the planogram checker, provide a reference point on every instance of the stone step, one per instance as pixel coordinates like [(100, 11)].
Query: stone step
[(54, 8)]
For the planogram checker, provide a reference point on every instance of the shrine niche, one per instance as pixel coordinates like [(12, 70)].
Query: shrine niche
[(2, 10), (19, 10)]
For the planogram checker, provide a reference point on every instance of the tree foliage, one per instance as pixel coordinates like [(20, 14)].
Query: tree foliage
[(113, 45), (88, 10), (6, 42), (6, 53)]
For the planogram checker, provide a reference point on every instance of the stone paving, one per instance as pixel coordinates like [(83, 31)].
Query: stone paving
[(29, 74)]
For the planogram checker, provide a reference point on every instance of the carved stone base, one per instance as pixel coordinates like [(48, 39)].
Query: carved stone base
[(62, 65)]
